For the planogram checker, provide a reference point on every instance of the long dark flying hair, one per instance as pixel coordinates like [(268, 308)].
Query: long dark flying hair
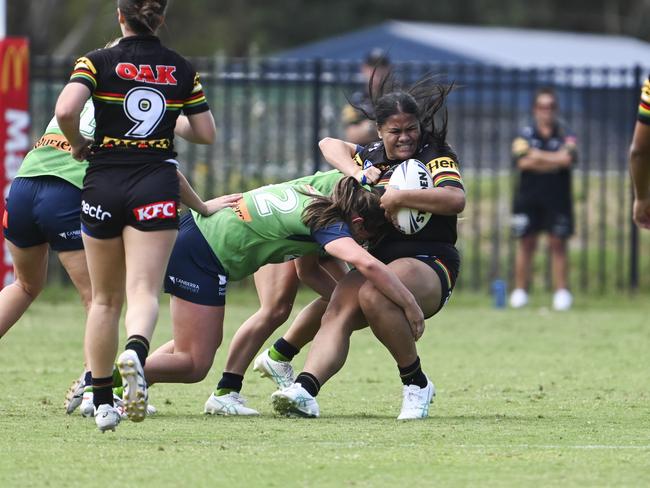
[(348, 199), (425, 99), (143, 16)]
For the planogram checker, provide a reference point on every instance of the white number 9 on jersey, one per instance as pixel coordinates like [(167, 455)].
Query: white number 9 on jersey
[(145, 107)]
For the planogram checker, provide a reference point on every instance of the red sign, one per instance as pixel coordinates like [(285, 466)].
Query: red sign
[(14, 125)]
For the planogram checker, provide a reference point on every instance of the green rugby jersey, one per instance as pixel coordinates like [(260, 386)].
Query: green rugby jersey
[(266, 225), (51, 154)]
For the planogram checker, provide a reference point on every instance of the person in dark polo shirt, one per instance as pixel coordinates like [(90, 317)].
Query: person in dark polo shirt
[(359, 129), (543, 153)]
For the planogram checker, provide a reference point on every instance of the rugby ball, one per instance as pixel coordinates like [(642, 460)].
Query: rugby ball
[(411, 175)]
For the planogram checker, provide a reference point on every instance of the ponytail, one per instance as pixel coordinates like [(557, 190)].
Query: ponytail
[(348, 199)]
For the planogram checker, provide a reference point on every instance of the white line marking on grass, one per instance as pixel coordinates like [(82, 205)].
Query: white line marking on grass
[(551, 446)]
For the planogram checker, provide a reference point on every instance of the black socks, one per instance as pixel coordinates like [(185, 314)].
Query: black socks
[(284, 350), (309, 382), (229, 382), (140, 345), (413, 375), (102, 391)]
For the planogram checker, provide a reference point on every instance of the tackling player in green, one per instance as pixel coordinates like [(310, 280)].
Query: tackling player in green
[(271, 224)]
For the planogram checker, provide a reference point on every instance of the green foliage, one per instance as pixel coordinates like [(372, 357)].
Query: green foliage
[(525, 398), (242, 27)]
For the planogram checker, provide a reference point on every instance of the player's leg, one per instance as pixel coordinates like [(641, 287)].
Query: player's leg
[(30, 272), (28, 246), (197, 331), (275, 362), (105, 258), (196, 280), (390, 326), (277, 285), (146, 254), (152, 197), (74, 262), (328, 350)]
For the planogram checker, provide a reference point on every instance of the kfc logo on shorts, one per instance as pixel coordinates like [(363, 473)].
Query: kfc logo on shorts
[(158, 210)]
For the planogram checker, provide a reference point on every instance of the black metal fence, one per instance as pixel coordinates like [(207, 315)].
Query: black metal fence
[(271, 114)]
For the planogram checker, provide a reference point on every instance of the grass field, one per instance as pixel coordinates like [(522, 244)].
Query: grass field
[(525, 398)]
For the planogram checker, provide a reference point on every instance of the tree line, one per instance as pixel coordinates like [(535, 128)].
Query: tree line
[(259, 27)]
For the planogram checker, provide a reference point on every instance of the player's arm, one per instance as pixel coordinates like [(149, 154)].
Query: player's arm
[(446, 200), (197, 128), (528, 158), (312, 274), (340, 154), (206, 208), (447, 197), (640, 173), (382, 277), (68, 112), (546, 161)]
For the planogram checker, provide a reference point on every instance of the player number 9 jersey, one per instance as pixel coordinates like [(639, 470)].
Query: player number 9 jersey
[(139, 88)]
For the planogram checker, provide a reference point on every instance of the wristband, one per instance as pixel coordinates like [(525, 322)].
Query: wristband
[(363, 180)]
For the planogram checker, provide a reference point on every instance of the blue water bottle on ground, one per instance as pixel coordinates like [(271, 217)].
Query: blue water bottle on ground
[(499, 293)]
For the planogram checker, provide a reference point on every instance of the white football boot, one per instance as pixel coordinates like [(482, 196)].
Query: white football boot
[(74, 395), (416, 401), (230, 404), (107, 417), (295, 400), (135, 395), (87, 407), (280, 372)]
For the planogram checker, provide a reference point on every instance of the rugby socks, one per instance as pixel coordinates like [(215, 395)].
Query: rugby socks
[(283, 351), (117, 380), (140, 345), (309, 382), (413, 375), (102, 391), (229, 382)]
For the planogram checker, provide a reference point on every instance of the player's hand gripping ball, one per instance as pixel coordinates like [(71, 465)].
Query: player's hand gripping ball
[(411, 175)]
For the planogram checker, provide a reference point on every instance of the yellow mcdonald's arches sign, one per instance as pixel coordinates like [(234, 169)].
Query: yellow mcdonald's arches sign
[(13, 67)]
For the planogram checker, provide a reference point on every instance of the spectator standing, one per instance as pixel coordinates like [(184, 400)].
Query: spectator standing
[(359, 128), (544, 153)]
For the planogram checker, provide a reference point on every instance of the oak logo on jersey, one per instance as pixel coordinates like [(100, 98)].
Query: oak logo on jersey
[(158, 210), (158, 75)]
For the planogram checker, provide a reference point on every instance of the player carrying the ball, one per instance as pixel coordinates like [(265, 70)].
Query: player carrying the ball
[(427, 262)]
